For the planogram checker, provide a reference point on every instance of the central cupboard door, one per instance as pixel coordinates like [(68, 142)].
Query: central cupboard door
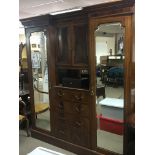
[(72, 45), (71, 97)]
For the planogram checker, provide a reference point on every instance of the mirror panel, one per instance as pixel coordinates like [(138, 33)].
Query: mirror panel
[(110, 86), (40, 79)]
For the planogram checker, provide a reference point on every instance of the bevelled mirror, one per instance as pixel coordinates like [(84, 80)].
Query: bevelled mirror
[(110, 86), (40, 80)]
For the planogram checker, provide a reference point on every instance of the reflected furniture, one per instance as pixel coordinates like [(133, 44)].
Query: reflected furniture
[(115, 76), (23, 115), (40, 107), (100, 91), (68, 41), (111, 117), (112, 108), (23, 64), (115, 60), (111, 125), (24, 95), (112, 72)]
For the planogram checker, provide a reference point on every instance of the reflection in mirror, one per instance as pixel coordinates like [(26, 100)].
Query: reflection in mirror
[(23, 69), (40, 79), (109, 86)]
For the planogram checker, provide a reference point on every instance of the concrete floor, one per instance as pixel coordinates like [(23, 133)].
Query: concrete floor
[(28, 144)]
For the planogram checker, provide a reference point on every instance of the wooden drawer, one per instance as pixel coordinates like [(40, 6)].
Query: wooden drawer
[(77, 122), (59, 93), (79, 131), (61, 126), (80, 137), (58, 105), (77, 108), (80, 123), (71, 95), (78, 96), (61, 131)]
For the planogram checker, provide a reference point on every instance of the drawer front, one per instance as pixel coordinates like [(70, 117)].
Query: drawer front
[(79, 123), (77, 108), (71, 95), (58, 105), (79, 131), (59, 93), (61, 131), (80, 137), (61, 126), (78, 97)]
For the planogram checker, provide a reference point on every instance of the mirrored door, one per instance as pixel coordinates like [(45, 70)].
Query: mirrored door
[(40, 79), (109, 46)]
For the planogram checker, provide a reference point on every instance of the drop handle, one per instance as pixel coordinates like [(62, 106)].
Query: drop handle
[(77, 109), (60, 94), (78, 124), (92, 91), (78, 98)]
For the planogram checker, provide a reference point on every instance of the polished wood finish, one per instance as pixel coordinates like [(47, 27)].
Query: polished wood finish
[(23, 116), (72, 110), (72, 49), (71, 115), (63, 143), (64, 54), (36, 21), (80, 52)]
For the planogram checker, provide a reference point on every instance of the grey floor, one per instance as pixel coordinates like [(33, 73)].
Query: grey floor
[(110, 141), (28, 144)]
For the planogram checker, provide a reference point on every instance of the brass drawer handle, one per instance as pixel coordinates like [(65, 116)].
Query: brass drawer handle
[(78, 98), (78, 109), (78, 124), (60, 94), (92, 91)]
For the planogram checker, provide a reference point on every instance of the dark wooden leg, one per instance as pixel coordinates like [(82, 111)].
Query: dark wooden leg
[(104, 92), (27, 127)]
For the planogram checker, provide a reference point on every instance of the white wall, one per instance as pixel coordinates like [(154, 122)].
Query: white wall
[(22, 38), (103, 45)]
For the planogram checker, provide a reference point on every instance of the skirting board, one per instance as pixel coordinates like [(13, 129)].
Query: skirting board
[(79, 150)]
